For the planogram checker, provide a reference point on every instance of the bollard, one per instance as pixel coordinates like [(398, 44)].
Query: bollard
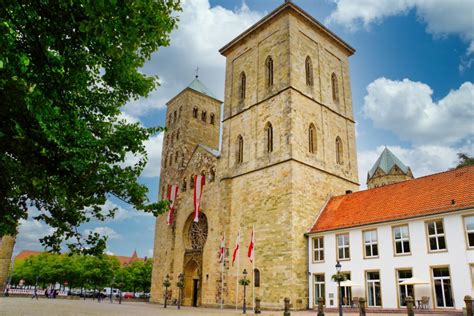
[(409, 300), (287, 307), (257, 306), (468, 301), (361, 306), (320, 306)]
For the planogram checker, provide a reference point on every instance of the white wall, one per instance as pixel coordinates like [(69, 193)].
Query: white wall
[(458, 257)]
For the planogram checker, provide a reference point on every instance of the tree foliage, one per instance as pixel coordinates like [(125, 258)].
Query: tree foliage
[(464, 160), (66, 69), (83, 271)]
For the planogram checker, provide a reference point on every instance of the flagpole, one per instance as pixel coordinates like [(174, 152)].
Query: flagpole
[(253, 268), (237, 277), (222, 276)]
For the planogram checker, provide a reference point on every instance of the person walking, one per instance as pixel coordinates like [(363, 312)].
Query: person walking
[(35, 293)]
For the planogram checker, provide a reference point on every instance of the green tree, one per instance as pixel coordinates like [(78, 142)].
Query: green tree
[(66, 69), (464, 160)]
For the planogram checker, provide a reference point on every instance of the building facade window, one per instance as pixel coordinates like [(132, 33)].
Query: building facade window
[(195, 112), (404, 290), (402, 240), (319, 287), (339, 153), (334, 88), (318, 249), (176, 157), (269, 71), (269, 136), (175, 117), (256, 277), (343, 251), (183, 185), (240, 149), (179, 113), (177, 134), (169, 120), (371, 249), (212, 119), (442, 287), (212, 174), (346, 291), (469, 229), (309, 71), (312, 143), (374, 292), (204, 116), (436, 236), (243, 85)]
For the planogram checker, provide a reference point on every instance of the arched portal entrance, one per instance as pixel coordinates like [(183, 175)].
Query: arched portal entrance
[(191, 284), (194, 236)]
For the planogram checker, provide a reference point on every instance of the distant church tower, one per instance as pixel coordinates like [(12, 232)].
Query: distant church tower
[(387, 169)]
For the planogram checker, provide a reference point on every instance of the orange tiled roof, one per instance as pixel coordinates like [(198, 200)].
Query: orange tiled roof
[(427, 195), (124, 260), (27, 253)]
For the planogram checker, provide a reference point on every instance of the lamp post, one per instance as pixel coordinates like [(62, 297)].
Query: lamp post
[(244, 282), (180, 285), (338, 269), (166, 284)]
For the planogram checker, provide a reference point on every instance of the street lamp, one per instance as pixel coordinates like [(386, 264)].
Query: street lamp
[(338, 269), (244, 282), (180, 285), (166, 284)]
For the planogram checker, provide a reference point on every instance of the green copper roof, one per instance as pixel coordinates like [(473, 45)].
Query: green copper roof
[(386, 162), (198, 86)]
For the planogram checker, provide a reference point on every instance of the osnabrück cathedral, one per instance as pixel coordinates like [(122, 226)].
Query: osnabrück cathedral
[(287, 145)]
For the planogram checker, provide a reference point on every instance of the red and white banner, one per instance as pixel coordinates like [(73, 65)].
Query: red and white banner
[(172, 196), (250, 251), (236, 249), (199, 182), (222, 249)]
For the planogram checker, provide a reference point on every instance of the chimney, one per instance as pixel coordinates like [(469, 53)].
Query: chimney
[(348, 191)]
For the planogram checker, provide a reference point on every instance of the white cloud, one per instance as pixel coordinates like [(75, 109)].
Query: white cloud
[(29, 233), (407, 108), (121, 213), (202, 31), (104, 231), (423, 160), (441, 17), (153, 148)]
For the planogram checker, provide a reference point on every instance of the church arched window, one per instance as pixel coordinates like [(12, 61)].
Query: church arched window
[(166, 161), (169, 120), (171, 160), (339, 152), (243, 85), (182, 159), (309, 71), (312, 141), (256, 278), (191, 182), (335, 88), (212, 118), (179, 113), (174, 117), (195, 112), (269, 136), (177, 134), (240, 149), (183, 185), (176, 157), (212, 175), (269, 71), (203, 116)]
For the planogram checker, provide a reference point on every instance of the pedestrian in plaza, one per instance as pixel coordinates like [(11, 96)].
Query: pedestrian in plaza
[(35, 294), (46, 293)]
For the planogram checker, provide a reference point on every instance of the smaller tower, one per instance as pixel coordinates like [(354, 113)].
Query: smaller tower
[(387, 169), (7, 243)]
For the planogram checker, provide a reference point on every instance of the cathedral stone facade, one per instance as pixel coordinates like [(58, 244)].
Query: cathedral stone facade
[(287, 145)]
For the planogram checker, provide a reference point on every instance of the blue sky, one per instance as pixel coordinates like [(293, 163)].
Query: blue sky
[(411, 81)]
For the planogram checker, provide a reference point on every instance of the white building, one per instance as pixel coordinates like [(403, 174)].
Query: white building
[(421, 228)]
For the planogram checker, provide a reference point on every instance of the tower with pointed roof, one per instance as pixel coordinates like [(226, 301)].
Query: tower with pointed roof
[(387, 169)]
